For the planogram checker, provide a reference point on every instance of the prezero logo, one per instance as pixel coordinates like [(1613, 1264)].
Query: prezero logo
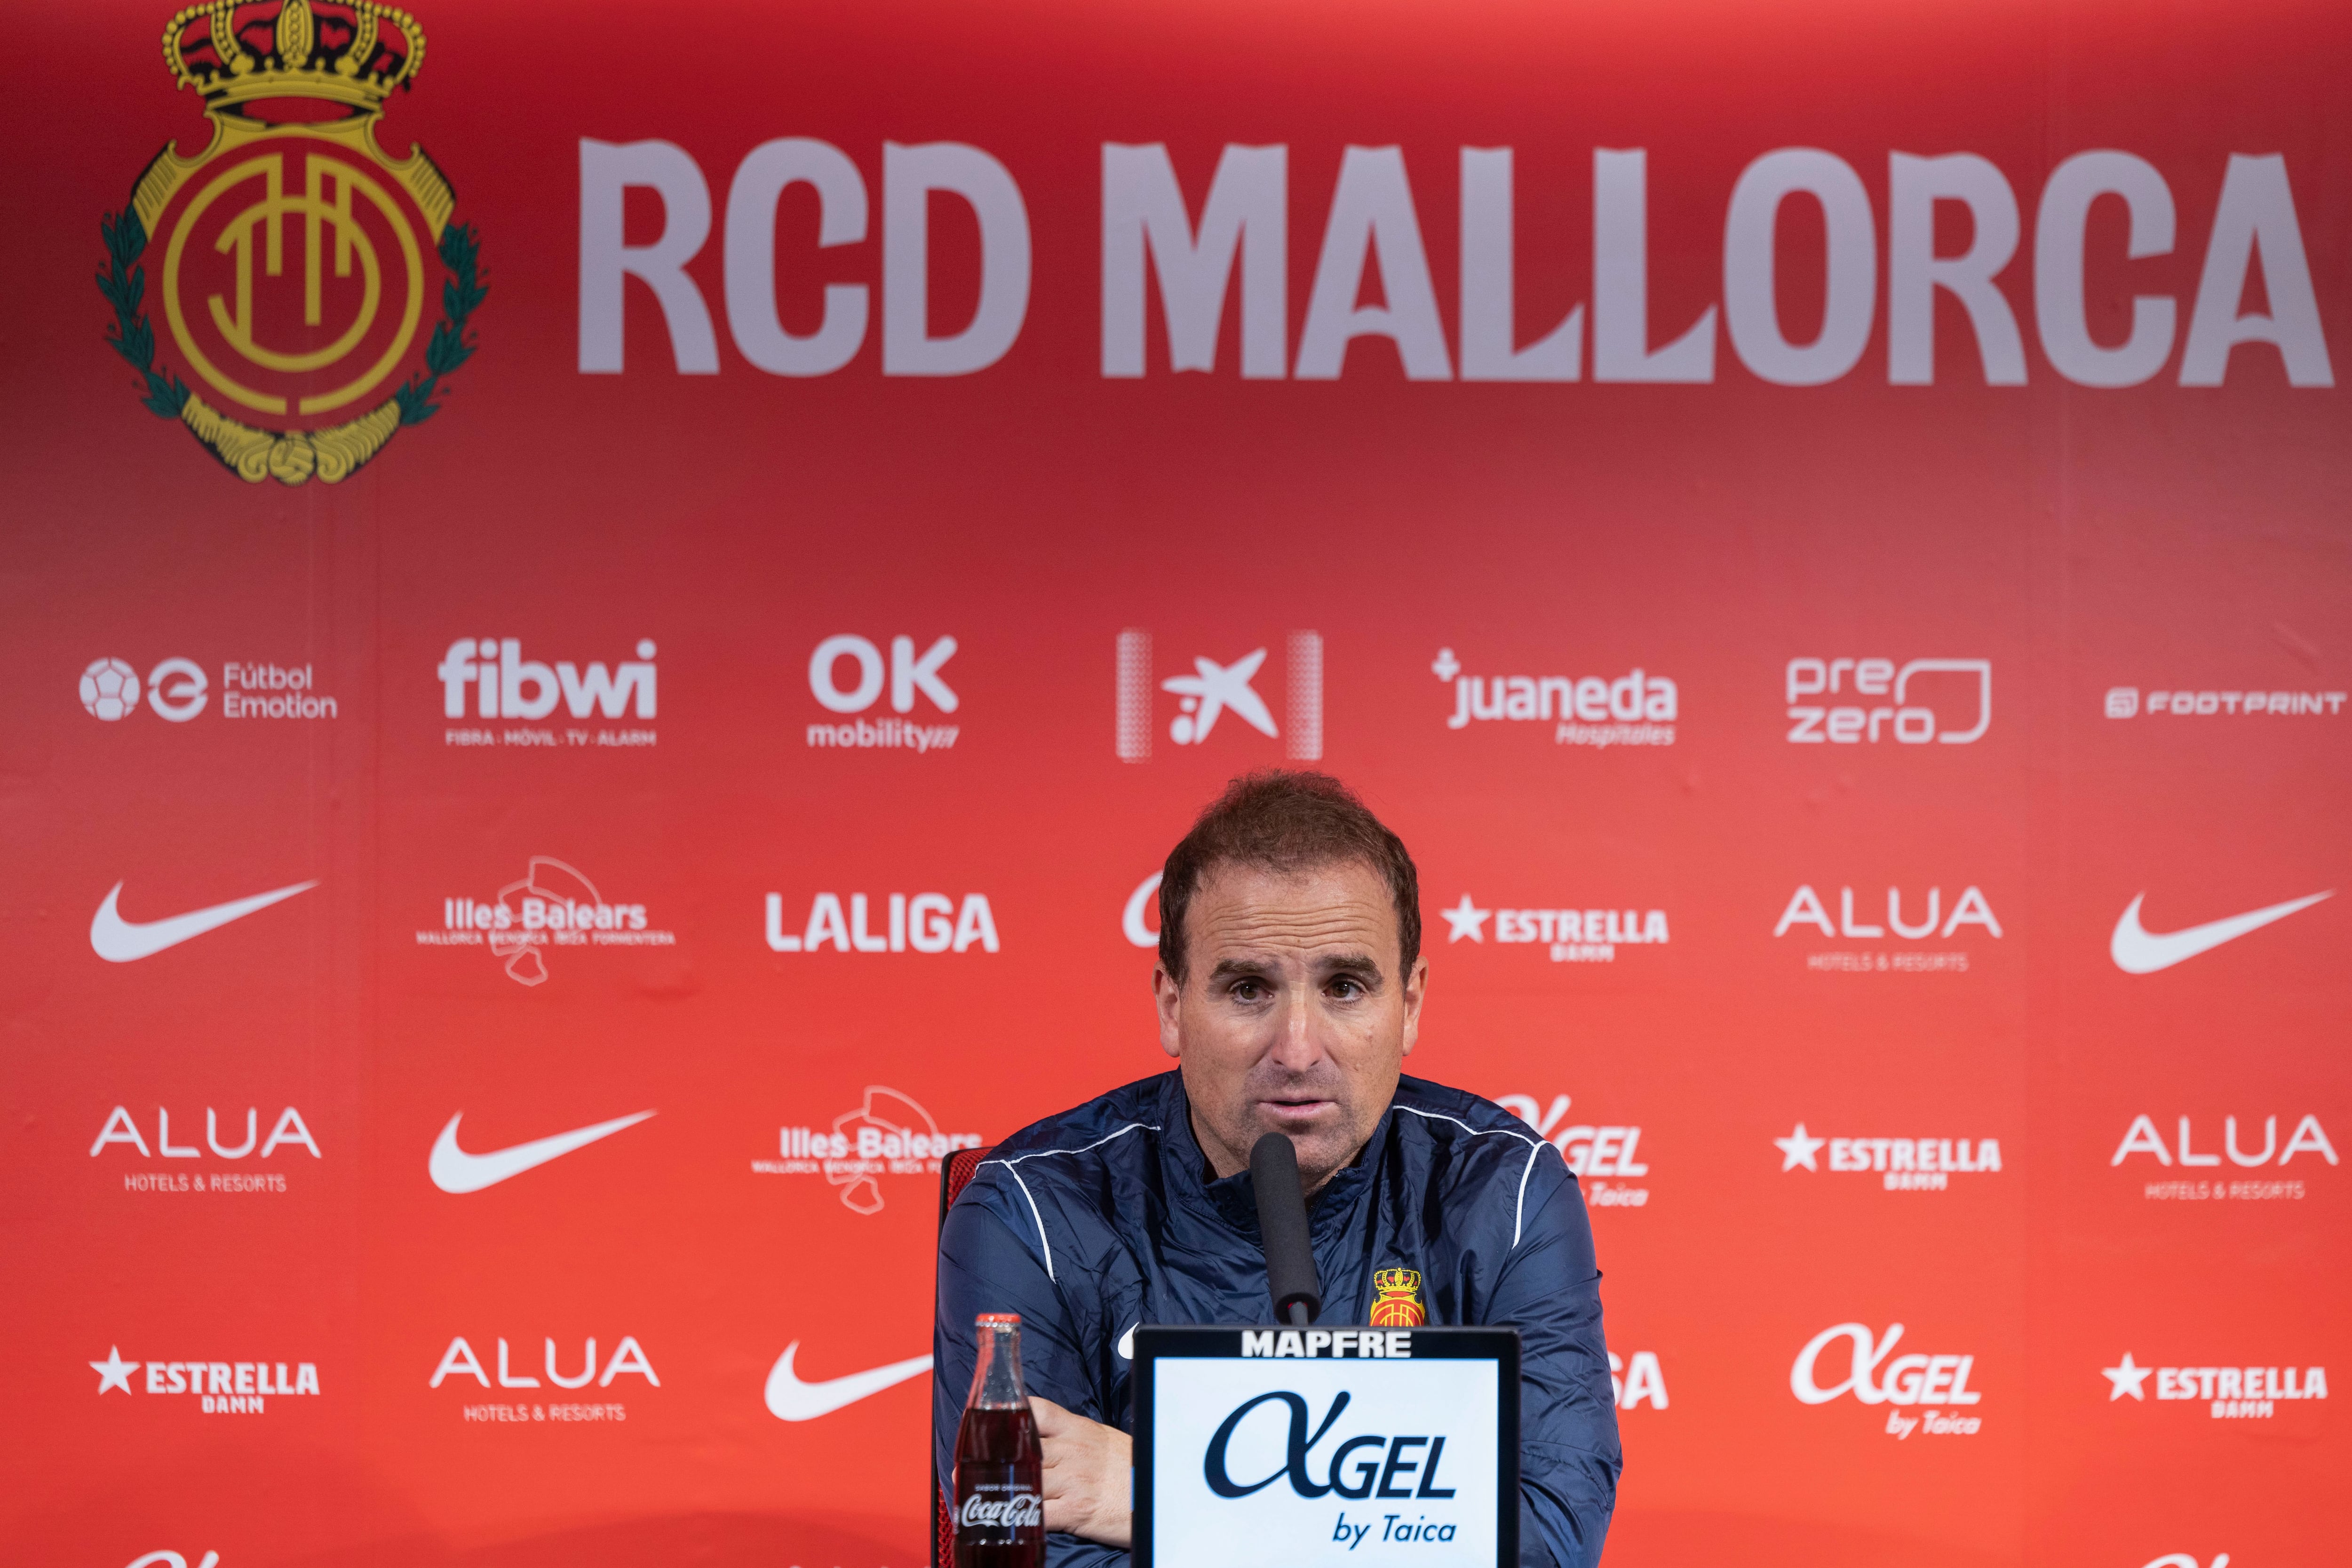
[(905, 675), (1912, 703), (175, 690)]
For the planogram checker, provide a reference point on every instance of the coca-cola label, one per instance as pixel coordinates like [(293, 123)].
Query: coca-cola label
[(1013, 1507)]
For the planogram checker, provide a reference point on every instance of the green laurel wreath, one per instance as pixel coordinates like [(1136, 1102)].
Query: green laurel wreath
[(449, 348), (123, 282)]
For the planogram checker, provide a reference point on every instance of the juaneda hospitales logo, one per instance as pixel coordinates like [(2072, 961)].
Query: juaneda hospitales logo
[(293, 177), (1635, 710)]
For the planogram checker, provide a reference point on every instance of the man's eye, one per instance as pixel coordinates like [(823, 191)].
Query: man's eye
[(1346, 988), (1247, 991)]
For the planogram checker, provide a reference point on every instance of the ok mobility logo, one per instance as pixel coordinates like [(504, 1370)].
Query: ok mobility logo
[(293, 88)]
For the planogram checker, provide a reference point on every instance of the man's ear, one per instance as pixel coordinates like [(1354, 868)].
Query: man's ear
[(1416, 987), (1165, 995)]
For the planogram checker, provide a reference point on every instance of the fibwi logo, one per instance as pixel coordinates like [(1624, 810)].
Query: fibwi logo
[(506, 686), (294, 90)]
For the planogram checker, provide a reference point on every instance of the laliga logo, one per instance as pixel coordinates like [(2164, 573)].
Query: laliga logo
[(294, 90), (1908, 1380), (1909, 723)]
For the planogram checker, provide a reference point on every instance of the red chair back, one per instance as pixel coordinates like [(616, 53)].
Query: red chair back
[(955, 1174)]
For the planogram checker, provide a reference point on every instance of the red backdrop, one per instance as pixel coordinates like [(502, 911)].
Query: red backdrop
[(2101, 523)]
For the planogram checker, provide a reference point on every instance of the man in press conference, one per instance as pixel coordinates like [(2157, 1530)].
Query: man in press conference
[(1290, 986)]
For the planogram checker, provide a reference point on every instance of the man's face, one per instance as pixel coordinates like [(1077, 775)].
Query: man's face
[(1293, 1016)]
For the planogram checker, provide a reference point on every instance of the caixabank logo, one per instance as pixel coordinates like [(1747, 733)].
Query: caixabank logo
[(293, 277)]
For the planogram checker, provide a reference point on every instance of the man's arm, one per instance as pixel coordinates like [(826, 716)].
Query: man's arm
[(1569, 1457), (986, 1268)]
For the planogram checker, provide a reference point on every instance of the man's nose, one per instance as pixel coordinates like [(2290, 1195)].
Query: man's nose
[(1298, 1040)]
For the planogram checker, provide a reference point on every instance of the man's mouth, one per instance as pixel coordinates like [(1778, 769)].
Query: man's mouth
[(1295, 1112)]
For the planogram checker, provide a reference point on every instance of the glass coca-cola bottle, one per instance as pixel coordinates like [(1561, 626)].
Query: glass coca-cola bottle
[(999, 1516)]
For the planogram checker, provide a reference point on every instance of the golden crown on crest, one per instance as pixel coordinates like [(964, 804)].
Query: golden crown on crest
[(351, 52)]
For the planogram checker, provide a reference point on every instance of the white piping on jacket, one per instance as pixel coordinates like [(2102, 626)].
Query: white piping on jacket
[(1034, 1215), (1519, 1215)]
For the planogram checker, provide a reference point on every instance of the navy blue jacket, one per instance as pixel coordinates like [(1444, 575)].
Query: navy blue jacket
[(1108, 1216)]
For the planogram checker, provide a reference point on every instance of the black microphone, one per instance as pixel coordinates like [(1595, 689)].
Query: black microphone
[(1290, 1275)]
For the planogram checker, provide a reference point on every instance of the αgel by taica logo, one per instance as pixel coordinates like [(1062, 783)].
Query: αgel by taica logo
[(293, 278), (1902, 1381), (1365, 1465)]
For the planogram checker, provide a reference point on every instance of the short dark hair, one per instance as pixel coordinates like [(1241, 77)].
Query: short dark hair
[(1286, 821)]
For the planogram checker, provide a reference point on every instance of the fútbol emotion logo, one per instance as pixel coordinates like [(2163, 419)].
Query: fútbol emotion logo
[(293, 175)]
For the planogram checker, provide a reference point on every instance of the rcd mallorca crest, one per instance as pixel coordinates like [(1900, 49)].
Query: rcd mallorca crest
[(1399, 1304), (293, 261)]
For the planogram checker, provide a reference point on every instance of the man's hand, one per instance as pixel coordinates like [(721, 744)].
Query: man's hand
[(1089, 1475)]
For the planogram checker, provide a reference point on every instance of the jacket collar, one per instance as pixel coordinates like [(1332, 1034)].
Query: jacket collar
[(1232, 1200)]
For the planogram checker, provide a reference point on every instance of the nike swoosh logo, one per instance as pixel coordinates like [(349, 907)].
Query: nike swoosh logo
[(455, 1171), (790, 1399), (2138, 951), (119, 941), (1127, 1343)]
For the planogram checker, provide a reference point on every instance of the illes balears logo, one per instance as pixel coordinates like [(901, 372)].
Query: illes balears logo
[(293, 181)]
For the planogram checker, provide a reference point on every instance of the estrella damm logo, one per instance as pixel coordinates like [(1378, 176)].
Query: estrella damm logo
[(1398, 1305), (294, 262)]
